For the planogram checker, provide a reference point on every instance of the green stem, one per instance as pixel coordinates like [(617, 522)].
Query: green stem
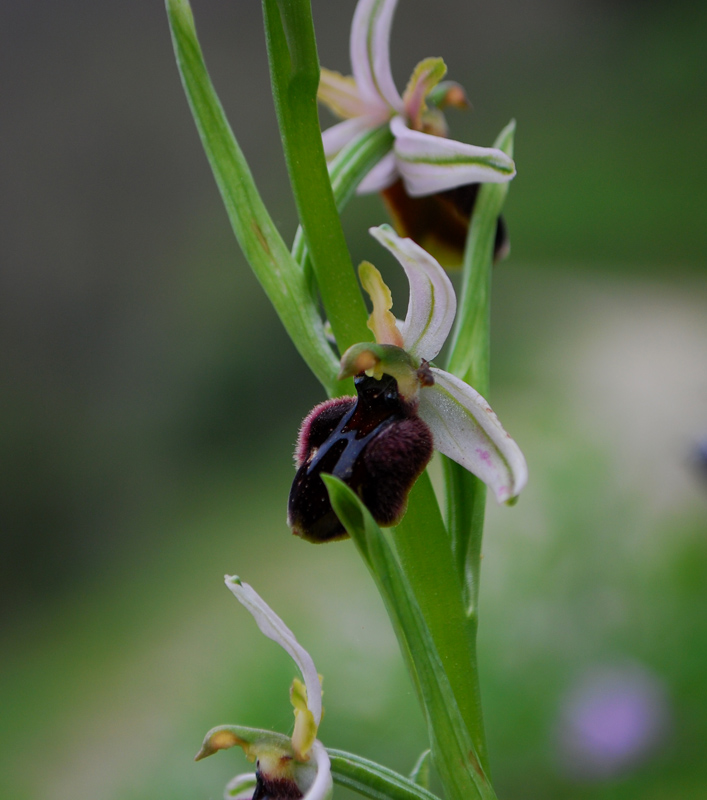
[(294, 72), (346, 171)]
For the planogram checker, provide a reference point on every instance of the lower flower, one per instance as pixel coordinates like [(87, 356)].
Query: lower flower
[(287, 768)]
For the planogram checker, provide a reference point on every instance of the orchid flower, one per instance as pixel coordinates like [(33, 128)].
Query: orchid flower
[(286, 767), (463, 425), (380, 442), (422, 156)]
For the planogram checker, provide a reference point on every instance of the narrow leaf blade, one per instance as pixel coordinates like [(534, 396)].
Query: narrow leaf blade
[(469, 359), (262, 245), (373, 780), (453, 750)]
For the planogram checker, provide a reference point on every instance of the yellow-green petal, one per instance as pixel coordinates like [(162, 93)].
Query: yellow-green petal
[(381, 321), (340, 94)]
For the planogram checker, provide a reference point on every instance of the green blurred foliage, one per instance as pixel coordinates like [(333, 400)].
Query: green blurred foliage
[(151, 400)]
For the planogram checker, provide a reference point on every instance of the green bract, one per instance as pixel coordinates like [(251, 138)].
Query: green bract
[(454, 753)]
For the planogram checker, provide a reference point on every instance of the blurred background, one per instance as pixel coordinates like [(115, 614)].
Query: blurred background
[(150, 404)]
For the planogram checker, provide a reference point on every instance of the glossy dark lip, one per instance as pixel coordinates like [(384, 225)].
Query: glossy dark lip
[(377, 409), (361, 424)]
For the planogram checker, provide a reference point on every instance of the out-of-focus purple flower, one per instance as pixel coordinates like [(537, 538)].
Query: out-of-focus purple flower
[(611, 720)]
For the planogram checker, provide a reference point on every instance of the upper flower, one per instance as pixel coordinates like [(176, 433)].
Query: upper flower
[(296, 767), (463, 425), (422, 156)]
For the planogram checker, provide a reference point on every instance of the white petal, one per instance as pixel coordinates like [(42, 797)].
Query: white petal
[(430, 164), (274, 628), (241, 787), (465, 428), (322, 785), (370, 55), (339, 135), (432, 304), (381, 176)]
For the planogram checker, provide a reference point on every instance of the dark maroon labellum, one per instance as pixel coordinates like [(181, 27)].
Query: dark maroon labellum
[(440, 222), (375, 443), (275, 788)]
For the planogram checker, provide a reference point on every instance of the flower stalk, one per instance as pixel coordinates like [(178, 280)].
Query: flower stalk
[(346, 171)]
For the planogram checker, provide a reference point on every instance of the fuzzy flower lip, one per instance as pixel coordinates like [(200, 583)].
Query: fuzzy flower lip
[(286, 767), (463, 425), (422, 156)]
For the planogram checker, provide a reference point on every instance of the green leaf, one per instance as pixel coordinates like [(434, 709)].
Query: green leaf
[(452, 748), (373, 780), (469, 350), (469, 359), (294, 71), (465, 497), (281, 277), (353, 162)]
